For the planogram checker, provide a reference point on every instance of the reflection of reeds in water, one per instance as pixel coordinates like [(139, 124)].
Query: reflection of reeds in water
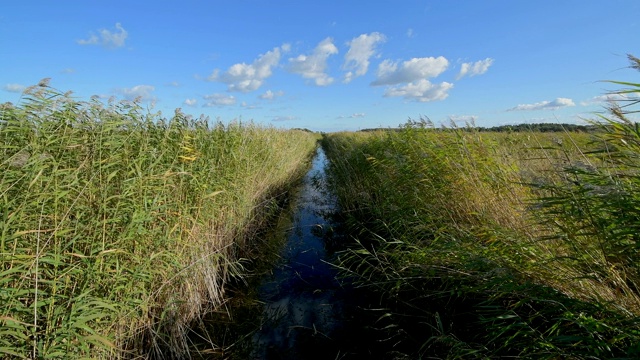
[(300, 313), (293, 324)]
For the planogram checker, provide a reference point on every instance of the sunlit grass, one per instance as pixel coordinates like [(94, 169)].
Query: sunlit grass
[(496, 244), (120, 228)]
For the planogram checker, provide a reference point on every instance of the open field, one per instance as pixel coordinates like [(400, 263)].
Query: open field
[(120, 228)]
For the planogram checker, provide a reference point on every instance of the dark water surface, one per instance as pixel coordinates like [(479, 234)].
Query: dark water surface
[(306, 311)]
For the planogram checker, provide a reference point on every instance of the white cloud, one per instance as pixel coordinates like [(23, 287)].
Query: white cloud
[(191, 102), (361, 49), (544, 105), (249, 77), (283, 118), (422, 90), (248, 106), (602, 99), (476, 68), (270, 95), (352, 116), (390, 73), (174, 84), (313, 66), (68, 71), (465, 119), (219, 100), (107, 38), (139, 92), (15, 88), (410, 33)]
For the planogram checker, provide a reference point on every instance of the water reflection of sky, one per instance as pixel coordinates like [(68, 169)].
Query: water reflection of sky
[(301, 308)]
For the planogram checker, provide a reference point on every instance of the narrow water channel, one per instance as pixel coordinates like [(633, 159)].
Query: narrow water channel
[(305, 313)]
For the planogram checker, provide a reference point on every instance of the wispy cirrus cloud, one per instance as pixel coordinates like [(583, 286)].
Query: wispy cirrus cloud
[(270, 95), (603, 99), (283, 118), (106, 38), (474, 68), (544, 105), (248, 106), (14, 88), (352, 116), (218, 99), (361, 49), (244, 77), (314, 65), (460, 120), (410, 33), (463, 118)]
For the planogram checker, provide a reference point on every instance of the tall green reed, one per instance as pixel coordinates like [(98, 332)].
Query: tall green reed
[(120, 228), (453, 237), (593, 206)]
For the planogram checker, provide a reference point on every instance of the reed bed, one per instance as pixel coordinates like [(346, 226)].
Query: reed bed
[(481, 244), (120, 228)]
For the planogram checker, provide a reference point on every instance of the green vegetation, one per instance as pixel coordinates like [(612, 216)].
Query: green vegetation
[(492, 244), (536, 127), (119, 229)]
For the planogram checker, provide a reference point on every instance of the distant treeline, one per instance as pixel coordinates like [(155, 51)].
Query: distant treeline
[(543, 127)]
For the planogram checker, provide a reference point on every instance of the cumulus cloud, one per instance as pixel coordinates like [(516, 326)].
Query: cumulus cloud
[(544, 105), (249, 77), (191, 102), (422, 91), (361, 49), (106, 38), (475, 68), (392, 73), (313, 66), (15, 88), (219, 100), (270, 95), (139, 92), (410, 79)]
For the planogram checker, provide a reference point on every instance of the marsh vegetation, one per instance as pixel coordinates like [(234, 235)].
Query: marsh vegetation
[(492, 244), (126, 234), (120, 228)]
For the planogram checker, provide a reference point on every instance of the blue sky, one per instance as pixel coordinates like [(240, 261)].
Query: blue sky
[(328, 65)]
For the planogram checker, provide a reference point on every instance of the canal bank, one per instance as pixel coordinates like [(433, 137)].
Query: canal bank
[(295, 306), (304, 310)]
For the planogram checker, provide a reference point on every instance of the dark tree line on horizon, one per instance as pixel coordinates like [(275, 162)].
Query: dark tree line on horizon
[(541, 127)]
